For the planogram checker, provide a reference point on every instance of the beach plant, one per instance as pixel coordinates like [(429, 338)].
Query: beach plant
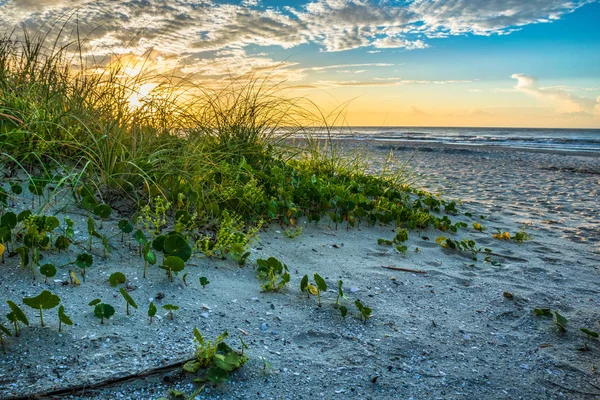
[(307, 287), (560, 322), (462, 245), (172, 264), (102, 310), (63, 318), (521, 236), (16, 316), (91, 227), (149, 256), (365, 312), (43, 301), (478, 227), (128, 300), (48, 270), (273, 273), (204, 281), (155, 218), (84, 261), (343, 311), (321, 286), (140, 238), (216, 357), (170, 308), (125, 227), (293, 232), (117, 278), (151, 311), (62, 243), (103, 211), (340, 293)]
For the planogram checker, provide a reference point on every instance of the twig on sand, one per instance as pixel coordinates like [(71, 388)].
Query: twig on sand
[(416, 271), (73, 390)]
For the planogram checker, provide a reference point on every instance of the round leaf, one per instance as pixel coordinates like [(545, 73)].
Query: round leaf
[(9, 220), (170, 307), (116, 279), (51, 223), (23, 215), (125, 226), (174, 263), (104, 311), (103, 210), (45, 300), (84, 260), (176, 245), (158, 243), (320, 282), (140, 237), (62, 243), (48, 270)]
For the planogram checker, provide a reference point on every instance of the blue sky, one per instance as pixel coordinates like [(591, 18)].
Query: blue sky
[(410, 62)]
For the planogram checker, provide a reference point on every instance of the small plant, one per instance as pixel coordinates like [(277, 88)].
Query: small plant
[(293, 232), (91, 226), (560, 322), (340, 294), (151, 311), (216, 356), (48, 270), (102, 211), (365, 312), (43, 301), (170, 308), (125, 227), (102, 310), (478, 227), (521, 236), (321, 286), (155, 219), (590, 333), (149, 257), (204, 281), (84, 261), (307, 287), (343, 311), (140, 238), (172, 264), (467, 245), (399, 239), (16, 316), (63, 318), (271, 271), (117, 278), (128, 300)]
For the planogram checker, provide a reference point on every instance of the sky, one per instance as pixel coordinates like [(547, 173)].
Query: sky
[(518, 63)]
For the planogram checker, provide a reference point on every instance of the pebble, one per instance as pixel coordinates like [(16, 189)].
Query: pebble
[(264, 326)]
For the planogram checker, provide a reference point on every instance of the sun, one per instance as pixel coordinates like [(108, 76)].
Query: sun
[(140, 95)]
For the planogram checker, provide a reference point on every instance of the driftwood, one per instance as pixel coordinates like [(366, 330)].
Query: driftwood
[(81, 389), (416, 271)]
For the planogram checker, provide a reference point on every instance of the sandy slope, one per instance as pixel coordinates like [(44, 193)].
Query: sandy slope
[(447, 334)]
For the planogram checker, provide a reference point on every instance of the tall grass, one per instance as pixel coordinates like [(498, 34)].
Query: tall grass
[(137, 136)]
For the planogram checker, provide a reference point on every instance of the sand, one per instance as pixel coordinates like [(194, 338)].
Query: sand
[(462, 330)]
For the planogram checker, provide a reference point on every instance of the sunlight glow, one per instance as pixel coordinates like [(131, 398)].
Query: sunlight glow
[(137, 98)]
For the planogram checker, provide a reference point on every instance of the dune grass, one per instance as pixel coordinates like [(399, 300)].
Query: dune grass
[(242, 147)]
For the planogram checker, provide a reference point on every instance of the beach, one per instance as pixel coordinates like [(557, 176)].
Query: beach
[(444, 327)]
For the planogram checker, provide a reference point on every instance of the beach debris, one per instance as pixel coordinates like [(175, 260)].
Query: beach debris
[(508, 295), (416, 271)]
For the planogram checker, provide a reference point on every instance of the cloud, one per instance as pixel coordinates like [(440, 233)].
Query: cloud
[(193, 30), (386, 82), (335, 25), (565, 102)]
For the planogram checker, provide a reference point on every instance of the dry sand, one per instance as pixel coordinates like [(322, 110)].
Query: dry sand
[(448, 334)]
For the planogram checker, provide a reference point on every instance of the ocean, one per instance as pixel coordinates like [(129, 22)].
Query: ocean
[(576, 140)]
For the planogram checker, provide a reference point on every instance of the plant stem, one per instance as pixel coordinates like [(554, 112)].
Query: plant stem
[(41, 317)]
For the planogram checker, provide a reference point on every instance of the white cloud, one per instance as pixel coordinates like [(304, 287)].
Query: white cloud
[(565, 102), (195, 29)]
